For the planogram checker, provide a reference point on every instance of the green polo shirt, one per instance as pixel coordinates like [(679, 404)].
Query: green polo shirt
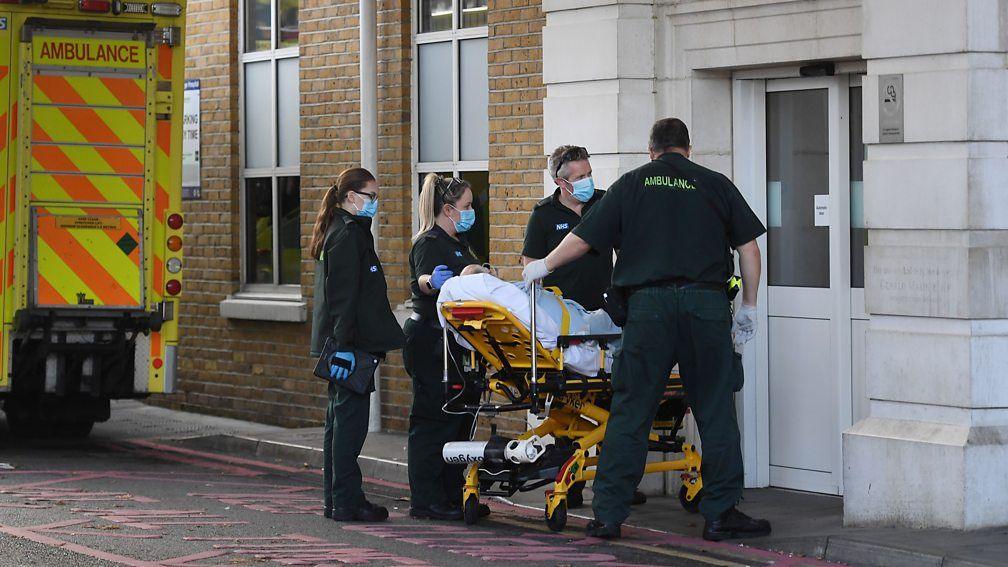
[(586, 278), (674, 219)]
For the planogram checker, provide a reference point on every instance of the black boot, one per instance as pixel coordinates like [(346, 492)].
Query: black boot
[(733, 524), (437, 512), (638, 498), (602, 530), (366, 512)]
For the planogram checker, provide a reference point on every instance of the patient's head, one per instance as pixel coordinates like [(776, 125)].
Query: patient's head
[(474, 269)]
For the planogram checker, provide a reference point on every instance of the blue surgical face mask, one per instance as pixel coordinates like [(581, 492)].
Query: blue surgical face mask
[(466, 219), (370, 208), (583, 189)]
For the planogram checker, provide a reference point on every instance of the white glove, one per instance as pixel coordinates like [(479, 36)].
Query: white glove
[(536, 270), (744, 326)]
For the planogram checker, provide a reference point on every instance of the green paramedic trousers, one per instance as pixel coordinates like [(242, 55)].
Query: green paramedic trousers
[(665, 326), (346, 426), (432, 481)]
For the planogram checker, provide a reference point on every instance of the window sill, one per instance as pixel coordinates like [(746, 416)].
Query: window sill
[(263, 307)]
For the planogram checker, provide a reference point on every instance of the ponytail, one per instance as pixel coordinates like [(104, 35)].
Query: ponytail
[(437, 192), (353, 179)]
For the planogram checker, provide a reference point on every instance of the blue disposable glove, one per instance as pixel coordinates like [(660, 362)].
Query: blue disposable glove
[(338, 371), (440, 275)]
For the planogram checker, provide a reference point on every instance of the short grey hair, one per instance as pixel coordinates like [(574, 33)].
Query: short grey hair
[(561, 157)]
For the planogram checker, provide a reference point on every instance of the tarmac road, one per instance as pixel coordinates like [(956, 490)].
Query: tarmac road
[(129, 499)]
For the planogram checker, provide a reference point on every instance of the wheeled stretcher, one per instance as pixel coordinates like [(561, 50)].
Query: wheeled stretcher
[(563, 449)]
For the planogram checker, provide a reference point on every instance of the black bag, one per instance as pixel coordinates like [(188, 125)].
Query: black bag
[(361, 380), (614, 302)]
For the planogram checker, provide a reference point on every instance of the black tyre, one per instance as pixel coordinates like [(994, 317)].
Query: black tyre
[(76, 429), (557, 521), (470, 510), (691, 506)]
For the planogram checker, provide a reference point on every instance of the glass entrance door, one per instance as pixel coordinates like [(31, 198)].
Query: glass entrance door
[(808, 262)]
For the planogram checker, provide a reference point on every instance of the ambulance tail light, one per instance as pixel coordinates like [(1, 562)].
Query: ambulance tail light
[(97, 6), (175, 221), (167, 9), (173, 287), (174, 243)]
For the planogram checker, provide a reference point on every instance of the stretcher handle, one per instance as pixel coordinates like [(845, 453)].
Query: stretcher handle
[(534, 389)]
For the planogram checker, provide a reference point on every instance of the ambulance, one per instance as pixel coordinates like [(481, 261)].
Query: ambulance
[(90, 207)]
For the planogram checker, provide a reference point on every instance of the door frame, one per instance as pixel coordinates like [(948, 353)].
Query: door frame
[(749, 151)]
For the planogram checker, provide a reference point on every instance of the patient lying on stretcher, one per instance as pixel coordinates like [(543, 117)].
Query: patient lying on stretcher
[(476, 284)]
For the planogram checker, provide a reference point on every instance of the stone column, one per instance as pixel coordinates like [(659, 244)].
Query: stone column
[(934, 451), (599, 73)]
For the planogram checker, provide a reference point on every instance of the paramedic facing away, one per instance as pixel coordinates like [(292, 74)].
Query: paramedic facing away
[(675, 221), (439, 252), (351, 307), (585, 279)]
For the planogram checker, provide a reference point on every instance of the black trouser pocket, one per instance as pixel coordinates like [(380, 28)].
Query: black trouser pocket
[(739, 373)]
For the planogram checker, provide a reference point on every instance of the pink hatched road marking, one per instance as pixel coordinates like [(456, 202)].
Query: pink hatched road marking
[(29, 506), (294, 549), (153, 519), (72, 528), (71, 477), (24, 533), (210, 457), (288, 501), (76, 495)]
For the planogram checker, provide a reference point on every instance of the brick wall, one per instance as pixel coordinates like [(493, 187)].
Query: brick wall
[(259, 370), (517, 161)]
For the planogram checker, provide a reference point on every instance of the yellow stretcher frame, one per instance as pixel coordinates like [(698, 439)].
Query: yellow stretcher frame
[(505, 343)]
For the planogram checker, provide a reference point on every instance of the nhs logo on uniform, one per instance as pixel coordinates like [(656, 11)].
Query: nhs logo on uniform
[(563, 225), (374, 269), (458, 253)]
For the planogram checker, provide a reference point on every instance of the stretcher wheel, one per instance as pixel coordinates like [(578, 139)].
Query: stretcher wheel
[(557, 521), (470, 510), (691, 506)]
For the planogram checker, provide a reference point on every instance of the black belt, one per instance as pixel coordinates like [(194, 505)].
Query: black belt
[(426, 321), (683, 283)]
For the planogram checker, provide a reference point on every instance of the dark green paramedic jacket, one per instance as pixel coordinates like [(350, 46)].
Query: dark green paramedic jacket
[(351, 296), (671, 219)]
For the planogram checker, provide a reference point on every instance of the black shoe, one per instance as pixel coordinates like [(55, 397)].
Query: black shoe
[(327, 512), (638, 498), (366, 512), (602, 530), (437, 512), (482, 511), (734, 525)]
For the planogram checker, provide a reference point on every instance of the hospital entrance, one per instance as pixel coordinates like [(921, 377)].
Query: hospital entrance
[(798, 160)]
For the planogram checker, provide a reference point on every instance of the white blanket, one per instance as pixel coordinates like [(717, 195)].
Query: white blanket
[(582, 358)]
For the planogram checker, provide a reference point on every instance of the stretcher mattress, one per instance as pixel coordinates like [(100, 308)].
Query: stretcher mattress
[(582, 358)]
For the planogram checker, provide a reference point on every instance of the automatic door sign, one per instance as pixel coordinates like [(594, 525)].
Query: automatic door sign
[(890, 108)]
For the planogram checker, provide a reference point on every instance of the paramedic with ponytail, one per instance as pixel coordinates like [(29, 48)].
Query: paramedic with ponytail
[(439, 252), (352, 308)]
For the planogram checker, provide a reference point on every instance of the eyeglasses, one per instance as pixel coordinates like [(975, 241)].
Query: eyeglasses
[(574, 153), (372, 197)]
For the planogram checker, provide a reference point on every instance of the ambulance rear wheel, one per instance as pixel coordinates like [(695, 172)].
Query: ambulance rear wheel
[(470, 510), (691, 506), (557, 521), (76, 429)]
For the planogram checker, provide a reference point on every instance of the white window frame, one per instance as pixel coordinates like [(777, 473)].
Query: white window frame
[(274, 56), (456, 166)]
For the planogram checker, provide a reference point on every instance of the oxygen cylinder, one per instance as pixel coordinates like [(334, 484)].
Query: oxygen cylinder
[(461, 452)]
